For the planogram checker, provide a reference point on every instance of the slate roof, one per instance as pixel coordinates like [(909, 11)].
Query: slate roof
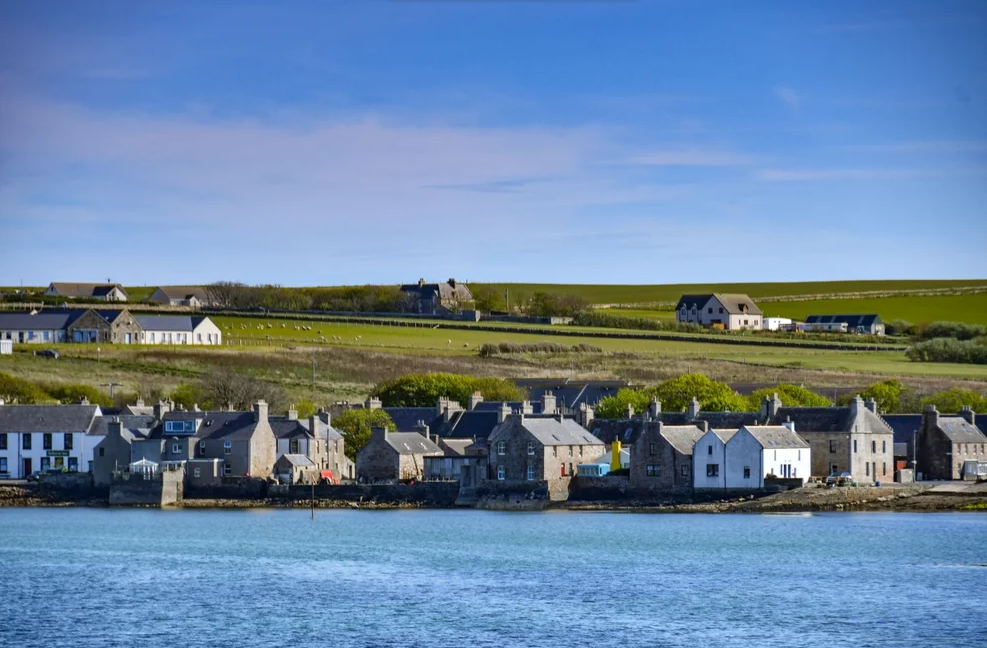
[(183, 292), (775, 436), (494, 406), (406, 418), (472, 424), (45, 320), (445, 291), (285, 428), (831, 419), (571, 393), (958, 430), (733, 303), (724, 434), (455, 447), (411, 443), (165, 322), (682, 437), (626, 431), (552, 432), (852, 321), (84, 289), (904, 426), (136, 425), (324, 431), (48, 418), (297, 460), (231, 426)]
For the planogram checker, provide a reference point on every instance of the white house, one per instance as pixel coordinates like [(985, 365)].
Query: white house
[(757, 451), (41, 327), (775, 323), (719, 310), (44, 437), (178, 329), (106, 292), (709, 459)]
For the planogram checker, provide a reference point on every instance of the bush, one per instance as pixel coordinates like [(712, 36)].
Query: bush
[(615, 407), (490, 349), (677, 393), (424, 390), (944, 349), (891, 397), (955, 330), (70, 394), (187, 396), (953, 400), (610, 320), (899, 327), (354, 426), (790, 395), (25, 392)]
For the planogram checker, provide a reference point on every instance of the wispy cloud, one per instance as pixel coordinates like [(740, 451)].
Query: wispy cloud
[(923, 146), (789, 96), (692, 157)]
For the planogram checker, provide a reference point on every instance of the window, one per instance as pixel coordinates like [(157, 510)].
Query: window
[(555, 451), (580, 451), (227, 469), (709, 450), (867, 468), (747, 472), (712, 470), (531, 448), (710, 310), (884, 468), (293, 446), (179, 426), (653, 449), (197, 472), (227, 447), (45, 463), (3, 465), (202, 447), (570, 451), (26, 441), (175, 448), (501, 473), (198, 338), (685, 470), (501, 447), (653, 470), (721, 310), (884, 446), (746, 322), (854, 446), (873, 446), (531, 472), (832, 446), (833, 469), (67, 441), (102, 451), (3, 440), (46, 440)]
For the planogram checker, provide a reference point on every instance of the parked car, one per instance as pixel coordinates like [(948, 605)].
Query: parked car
[(840, 479), (47, 353)]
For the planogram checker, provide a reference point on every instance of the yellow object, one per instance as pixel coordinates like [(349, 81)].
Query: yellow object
[(615, 456)]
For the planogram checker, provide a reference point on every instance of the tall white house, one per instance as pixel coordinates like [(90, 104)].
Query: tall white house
[(709, 459), (178, 329), (44, 437), (732, 312), (759, 451)]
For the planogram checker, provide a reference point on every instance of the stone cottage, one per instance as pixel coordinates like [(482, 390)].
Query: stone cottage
[(390, 456), (946, 443)]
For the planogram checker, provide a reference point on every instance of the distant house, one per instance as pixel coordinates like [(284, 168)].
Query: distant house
[(946, 443), (178, 329), (41, 327), (392, 456), (194, 296), (112, 326), (775, 323), (862, 324), (436, 298), (719, 310), (106, 292)]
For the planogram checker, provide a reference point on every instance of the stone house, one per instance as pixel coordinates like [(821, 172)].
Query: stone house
[(390, 456), (106, 291), (192, 296), (719, 310), (661, 457), (437, 298), (536, 449), (109, 326), (946, 443), (315, 439), (296, 469)]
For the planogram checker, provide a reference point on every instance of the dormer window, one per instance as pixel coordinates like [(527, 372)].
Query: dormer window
[(179, 426)]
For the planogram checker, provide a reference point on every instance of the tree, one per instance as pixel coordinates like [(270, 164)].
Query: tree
[(615, 407), (25, 392), (223, 387), (188, 396), (424, 390), (790, 395), (70, 394), (355, 424), (487, 300), (677, 393), (953, 400), (305, 409)]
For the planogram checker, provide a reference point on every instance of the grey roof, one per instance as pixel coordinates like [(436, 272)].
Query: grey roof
[(285, 428), (411, 443), (473, 424), (214, 425), (733, 303), (455, 447), (551, 432), (183, 292), (297, 460), (165, 322), (494, 406), (775, 436), (682, 437), (724, 434), (959, 431), (609, 430), (406, 418), (45, 320), (136, 425), (571, 393), (324, 431), (832, 419), (852, 321), (47, 418), (84, 289), (904, 426), (444, 290), (900, 449)]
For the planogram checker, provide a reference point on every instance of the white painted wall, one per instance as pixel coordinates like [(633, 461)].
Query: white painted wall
[(15, 453), (34, 336), (704, 317), (744, 451), (774, 323), (207, 333), (709, 449)]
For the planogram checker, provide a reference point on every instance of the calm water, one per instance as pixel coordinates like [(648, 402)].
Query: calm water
[(89, 577)]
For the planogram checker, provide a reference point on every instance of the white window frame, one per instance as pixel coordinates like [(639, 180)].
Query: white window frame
[(501, 448), (227, 469), (175, 448), (501, 473), (531, 472), (531, 448)]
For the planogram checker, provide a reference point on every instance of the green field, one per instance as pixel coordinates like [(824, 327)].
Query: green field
[(631, 294)]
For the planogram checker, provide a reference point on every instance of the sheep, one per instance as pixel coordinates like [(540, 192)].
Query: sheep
[(466, 345)]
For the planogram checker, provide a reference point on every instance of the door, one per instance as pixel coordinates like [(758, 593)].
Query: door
[(27, 468), (128, 337)]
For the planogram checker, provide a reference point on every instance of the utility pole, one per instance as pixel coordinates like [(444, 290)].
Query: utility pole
[(313, 374), (111, 385)]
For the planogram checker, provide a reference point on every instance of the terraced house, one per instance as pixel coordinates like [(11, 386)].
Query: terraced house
[(44, 437)]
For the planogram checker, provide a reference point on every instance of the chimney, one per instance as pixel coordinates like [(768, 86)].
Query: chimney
[(292, 413), (703, 425), (373, 403), (770, 406), (871, 404), (526, 408), (789, 423), (421, 282), (114, 427), (452, 282), (856, 405), (421, 428), (313, 427), (84, 401), (968, 415), (195, 407), (475, 399), (654, 407), (139, 402), (260, 411), (548, 406), (694, 408), (586, 414), (325, 417), (503, 412), (930, 416), (162, 408), (630, 411), (377, 433)]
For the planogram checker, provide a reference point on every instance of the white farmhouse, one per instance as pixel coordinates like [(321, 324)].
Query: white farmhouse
[(177, 329), (719, 310), (757, 451), (709, 459)]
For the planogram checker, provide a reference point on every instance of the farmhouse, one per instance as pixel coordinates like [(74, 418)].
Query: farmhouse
[(719, 310), (194, 296), (434, 299), (107, 292), (47, 326), (178, 329), (861, 324)]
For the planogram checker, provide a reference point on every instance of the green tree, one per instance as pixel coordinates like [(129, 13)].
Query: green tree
[(790, 395), (677, 393), (188, 396), (354, 425), (69, 394), (424, 390), (305, 409), (615, 407), (25, 392), (953, 400), (487, 300), (892, 396)]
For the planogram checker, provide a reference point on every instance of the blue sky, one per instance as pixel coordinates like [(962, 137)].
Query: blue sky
[(317, 143)]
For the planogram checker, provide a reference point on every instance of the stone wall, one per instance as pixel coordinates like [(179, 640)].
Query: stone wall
[(164, 489), (424, 493), (230, 488)]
